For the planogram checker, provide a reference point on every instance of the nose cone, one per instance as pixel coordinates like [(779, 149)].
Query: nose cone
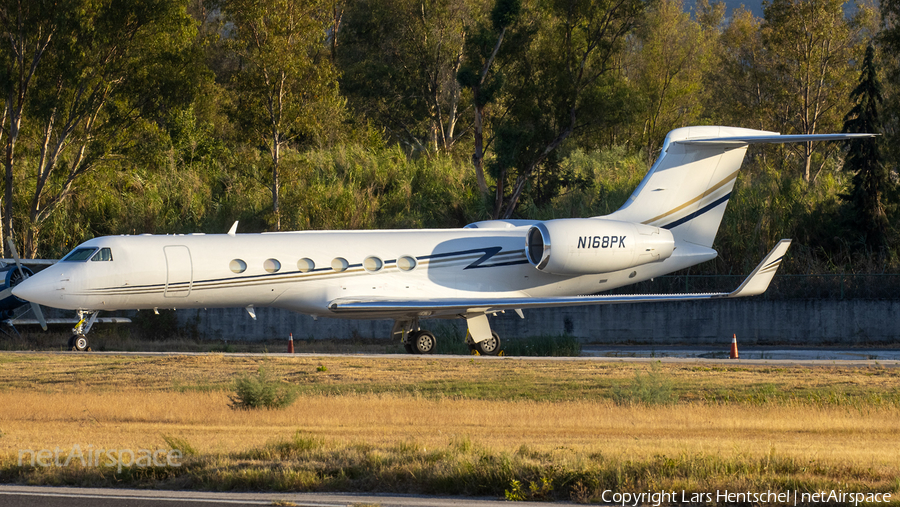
[(36, 289)]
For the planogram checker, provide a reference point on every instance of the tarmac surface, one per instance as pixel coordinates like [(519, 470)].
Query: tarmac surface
[(49, 496), (761, 356)]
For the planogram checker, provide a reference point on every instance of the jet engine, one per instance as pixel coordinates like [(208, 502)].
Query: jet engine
[(582, 246)]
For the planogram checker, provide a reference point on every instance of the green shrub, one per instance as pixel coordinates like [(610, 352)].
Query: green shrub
[(654, 388), (260, 391)]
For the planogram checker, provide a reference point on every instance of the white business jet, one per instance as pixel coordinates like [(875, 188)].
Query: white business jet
[(667, 224)]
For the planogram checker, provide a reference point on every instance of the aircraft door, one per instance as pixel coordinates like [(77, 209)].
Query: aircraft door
[(179, 271)]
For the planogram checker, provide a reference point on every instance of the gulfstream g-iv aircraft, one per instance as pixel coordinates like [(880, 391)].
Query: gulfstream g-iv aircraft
[(667, 224)]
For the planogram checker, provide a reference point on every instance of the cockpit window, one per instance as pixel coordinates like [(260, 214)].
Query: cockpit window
[(79, 255), (105, 254)]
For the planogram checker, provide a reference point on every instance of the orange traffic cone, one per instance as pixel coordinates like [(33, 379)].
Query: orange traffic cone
[(734, 352), (291, 344)]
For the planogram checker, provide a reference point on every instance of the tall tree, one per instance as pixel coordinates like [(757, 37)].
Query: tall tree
[(810, 48), (564, 84), (287, 83), (28, 28), (741, 70), (479, 75), (871, 182), (666, 62), (399, 60), (106, 64)]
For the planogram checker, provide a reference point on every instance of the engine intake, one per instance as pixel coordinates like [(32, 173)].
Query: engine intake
[(582, 246)]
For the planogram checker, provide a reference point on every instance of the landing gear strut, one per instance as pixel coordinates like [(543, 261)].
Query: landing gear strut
[(416, 340), (79, 341)]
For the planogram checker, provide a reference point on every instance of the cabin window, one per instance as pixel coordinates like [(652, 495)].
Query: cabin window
[(406, 263), (272, 266), (238, 266), (79, 255), (373, 264), (340, 264), (305, 265), (105, 254)]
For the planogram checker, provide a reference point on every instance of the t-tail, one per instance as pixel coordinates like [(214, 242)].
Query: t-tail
[(687, 189)]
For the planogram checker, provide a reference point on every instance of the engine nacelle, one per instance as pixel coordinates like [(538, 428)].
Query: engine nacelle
[(582, 246)]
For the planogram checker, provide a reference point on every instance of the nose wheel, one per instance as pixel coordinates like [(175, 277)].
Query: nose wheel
[(79, 341)]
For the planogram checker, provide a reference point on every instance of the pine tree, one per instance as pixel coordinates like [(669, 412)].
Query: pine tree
[(871, 182)]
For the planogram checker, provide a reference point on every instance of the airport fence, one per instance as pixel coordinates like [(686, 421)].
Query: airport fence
[(831, 286)]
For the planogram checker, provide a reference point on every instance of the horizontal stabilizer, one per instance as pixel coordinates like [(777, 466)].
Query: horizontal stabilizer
[(755, 284), (737, 141)]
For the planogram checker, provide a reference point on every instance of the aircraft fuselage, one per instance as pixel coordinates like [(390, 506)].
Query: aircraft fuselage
[(305, 271)]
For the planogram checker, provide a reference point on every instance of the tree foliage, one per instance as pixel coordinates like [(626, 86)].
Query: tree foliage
[(185, 115), (871, 184), (286, 84)]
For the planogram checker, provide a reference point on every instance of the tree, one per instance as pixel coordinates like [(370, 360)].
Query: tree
[(28, 28), (399, 60), (287, 83), (810, 49), (871, 182), (668, 58), (741, 70), (104, 66), (564, 84), (481, 50)]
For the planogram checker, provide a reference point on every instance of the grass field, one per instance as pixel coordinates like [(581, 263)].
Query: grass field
[(525, 429)]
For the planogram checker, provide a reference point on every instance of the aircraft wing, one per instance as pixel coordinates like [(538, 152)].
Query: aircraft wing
[(71, 322), (756, 283), (31, 262)]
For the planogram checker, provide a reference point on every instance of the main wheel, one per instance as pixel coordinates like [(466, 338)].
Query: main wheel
[(489, 347), (423, 342), (409, 348), (80, 342), (71, 343)]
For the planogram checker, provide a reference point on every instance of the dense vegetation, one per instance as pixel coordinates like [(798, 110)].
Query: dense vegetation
[(170, 116)]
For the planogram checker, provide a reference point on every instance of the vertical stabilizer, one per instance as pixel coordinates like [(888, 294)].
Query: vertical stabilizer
[(688, 187)]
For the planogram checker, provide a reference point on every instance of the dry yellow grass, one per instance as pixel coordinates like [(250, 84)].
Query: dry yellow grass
[(134, 419), (114, 402)]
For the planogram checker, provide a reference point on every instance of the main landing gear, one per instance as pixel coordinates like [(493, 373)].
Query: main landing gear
[(420, 341), (79, 341)]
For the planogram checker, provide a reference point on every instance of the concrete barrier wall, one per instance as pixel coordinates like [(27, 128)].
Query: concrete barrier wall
[(754, 321)]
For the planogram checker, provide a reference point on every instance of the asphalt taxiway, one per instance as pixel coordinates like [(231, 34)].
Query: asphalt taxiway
[(50, 496), (753, 356)]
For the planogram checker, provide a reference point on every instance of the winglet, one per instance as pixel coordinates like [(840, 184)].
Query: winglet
[(759, 279)]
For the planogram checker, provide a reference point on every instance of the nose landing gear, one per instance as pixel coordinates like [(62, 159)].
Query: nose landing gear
[(79, 341)]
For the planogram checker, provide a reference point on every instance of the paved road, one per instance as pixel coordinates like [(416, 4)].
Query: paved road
[(46, 496), (888, 358)]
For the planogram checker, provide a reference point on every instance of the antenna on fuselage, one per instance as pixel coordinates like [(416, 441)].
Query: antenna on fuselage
[(233, 230)]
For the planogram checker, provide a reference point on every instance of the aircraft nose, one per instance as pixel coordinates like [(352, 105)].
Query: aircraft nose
[(36, 289)]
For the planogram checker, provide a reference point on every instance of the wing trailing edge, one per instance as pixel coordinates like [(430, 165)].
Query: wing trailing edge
[(756, 283)]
